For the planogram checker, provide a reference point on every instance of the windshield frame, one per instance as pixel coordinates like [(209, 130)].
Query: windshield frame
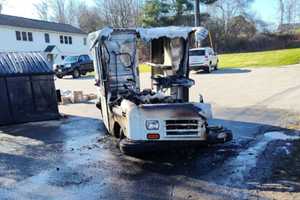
[(71, 59)]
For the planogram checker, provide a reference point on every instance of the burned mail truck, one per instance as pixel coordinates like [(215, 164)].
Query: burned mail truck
[(159, 116)]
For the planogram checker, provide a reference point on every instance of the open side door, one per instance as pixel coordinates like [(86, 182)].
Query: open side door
[(101, 61)]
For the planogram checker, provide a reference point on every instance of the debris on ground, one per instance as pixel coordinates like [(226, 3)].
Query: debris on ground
[(72, 97), (289, 166)]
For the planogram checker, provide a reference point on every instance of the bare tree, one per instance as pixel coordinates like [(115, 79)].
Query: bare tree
[(42, 9), (71, 13), (281, 11), (58, 8), (89, 19), (122, 13), (2, 2), (289, 14), (291, 11), (61, 11), (226, 10)]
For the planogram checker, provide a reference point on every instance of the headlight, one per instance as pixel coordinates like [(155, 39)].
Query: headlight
[(68, 65), (152, 124)]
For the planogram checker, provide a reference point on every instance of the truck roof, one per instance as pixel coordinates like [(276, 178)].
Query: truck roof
[(148, 34), (201, 48)]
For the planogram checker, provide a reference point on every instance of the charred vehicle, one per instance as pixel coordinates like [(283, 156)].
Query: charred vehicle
[(162, 115)]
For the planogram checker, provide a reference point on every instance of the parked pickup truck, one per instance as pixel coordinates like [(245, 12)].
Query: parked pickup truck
[(203, 58), (75, 66)]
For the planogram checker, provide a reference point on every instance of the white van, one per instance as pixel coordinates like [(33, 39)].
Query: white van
[(203, 59)]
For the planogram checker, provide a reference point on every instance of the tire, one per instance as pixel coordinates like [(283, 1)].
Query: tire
[(217, 66), (76, 73), (59, 76), (208, 69), (128, 150)]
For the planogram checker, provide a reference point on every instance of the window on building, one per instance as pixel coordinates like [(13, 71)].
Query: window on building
[(47, 38), (84, 41), (24, 36), (18, 35), (66, 40), (61, 39), (30, 37)]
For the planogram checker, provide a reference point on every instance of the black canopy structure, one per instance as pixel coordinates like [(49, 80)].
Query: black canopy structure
[(27, 90)]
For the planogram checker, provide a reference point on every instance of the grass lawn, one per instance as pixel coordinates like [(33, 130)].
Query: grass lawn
[(256, 59), (144, 68), (261, 59)]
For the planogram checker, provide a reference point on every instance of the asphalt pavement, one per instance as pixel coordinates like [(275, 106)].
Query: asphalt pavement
[(74, 158)]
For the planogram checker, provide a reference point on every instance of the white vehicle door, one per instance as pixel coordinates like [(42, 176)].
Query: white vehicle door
[(101, 57)]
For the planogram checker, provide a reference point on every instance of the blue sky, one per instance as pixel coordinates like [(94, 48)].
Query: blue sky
[(266, 9)]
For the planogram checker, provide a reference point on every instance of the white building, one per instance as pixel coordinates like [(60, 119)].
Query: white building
[(55, 40)]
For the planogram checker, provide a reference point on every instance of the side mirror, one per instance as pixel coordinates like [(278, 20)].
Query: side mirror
[(201, 98)]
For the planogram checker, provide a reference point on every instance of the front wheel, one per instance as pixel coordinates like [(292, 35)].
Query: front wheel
[(208, 69), (76, 73), (217, 66)]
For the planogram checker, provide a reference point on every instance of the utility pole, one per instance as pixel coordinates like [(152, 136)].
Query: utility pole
[(197, 13)]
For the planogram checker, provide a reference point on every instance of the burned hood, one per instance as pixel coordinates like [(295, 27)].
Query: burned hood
[(172, 111)]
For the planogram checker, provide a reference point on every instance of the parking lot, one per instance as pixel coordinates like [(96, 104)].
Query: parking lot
[(75, 159)]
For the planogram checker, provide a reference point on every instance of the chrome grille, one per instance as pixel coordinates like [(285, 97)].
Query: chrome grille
[(181, 127)]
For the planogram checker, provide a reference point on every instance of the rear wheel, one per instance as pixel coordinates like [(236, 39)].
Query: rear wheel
[(76, 73), (60, 76)]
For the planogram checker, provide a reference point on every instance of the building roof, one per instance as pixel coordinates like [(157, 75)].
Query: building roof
[(20, 64), (148, 34), (9, 20)]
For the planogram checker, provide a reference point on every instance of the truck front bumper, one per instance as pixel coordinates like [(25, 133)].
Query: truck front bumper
[(216, 135), (63, 72)]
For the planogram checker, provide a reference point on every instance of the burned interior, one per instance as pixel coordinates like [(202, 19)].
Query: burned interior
[(119, 66)]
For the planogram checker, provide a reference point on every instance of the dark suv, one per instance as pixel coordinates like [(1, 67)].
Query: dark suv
[(75, 66)]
